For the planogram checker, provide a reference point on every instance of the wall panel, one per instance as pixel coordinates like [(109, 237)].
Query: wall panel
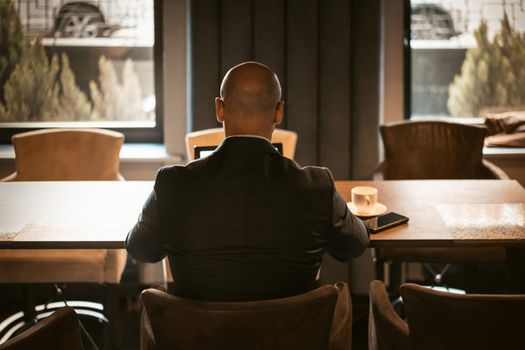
[(269, 35), (326, 54), (334, 87), (302, 77), (236, 33), (204, 62), (365, 92)]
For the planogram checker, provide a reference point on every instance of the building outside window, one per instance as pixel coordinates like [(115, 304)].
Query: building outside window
[(467, 57), (78, 64)]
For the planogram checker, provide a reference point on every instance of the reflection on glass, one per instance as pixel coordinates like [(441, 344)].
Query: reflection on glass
[(77, 61), (467, 57)]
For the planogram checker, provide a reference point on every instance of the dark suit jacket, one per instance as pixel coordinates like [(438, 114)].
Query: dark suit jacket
[(245, 223)]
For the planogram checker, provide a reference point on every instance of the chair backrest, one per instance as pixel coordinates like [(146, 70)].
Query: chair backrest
[(440, 320), (67, 154), (212, 137), (60, 331), (386, 330), (433, 150), (319, 319)]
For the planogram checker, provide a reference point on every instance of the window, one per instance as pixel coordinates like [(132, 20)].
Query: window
[(81, 64), (466, 57)]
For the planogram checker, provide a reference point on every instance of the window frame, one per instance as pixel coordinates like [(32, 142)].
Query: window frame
[(407, 60), (407, 78), (132, 134)]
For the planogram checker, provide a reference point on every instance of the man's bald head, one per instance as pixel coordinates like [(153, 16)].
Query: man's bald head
[(250, 90)]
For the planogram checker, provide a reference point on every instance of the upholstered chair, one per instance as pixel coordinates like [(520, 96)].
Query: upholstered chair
[(386, 330), (67, 155), (319, 319), (213, 137), (441, 320), (72, 155), (60, 331), (434, 150)]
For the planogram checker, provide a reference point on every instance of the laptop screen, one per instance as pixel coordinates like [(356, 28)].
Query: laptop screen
[(204, 151)]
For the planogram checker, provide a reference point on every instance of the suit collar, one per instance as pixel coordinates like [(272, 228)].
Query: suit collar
[(253, 136), (246, 144)]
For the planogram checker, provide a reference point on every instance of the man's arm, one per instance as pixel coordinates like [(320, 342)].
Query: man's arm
[(143, 241), (348, 237)]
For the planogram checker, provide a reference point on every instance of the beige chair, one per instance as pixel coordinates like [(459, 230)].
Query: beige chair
[(212, 137), (66, 154), (319, 319), (60, 331), (435, 150), (440, 320), (386, 330)]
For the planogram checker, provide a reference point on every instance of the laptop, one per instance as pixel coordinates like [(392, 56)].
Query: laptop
[(204, 151)]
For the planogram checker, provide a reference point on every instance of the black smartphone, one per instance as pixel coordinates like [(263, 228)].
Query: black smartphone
[(385, 221)]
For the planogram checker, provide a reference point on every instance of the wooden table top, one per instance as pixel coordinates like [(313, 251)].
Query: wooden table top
[(99, 214), (92, 214), (446, 213)]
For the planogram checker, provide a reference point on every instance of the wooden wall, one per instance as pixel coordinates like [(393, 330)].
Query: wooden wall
[(326, 54)]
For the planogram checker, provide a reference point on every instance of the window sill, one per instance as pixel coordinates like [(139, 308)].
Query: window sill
[(130, 153)]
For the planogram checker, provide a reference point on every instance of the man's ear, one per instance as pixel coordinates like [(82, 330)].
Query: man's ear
[(219, 109), (279, 113)]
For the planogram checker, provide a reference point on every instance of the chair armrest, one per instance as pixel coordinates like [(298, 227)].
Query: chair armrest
[(494, 170), (385, 326), (147, 338)]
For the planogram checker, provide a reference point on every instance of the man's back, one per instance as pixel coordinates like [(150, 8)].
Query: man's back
[(246, 223)]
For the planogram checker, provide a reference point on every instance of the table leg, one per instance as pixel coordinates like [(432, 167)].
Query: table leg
[(112, 311), (515, 270)]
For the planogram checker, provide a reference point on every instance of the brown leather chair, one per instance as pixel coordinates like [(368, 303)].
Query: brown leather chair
[(73, 155), (440, 320), (60, 331), (386, 330), (319, 319), (212, 137), (435, 150)]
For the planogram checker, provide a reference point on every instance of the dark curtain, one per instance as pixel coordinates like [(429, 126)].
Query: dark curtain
[(327, 56)]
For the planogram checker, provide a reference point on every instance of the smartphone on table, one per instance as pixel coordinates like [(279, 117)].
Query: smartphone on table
[(385, 221)]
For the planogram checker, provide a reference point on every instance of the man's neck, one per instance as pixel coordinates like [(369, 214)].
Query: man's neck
[(254, 136), (266, 135)]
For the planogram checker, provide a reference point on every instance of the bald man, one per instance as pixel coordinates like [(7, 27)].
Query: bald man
[(245, 223)]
